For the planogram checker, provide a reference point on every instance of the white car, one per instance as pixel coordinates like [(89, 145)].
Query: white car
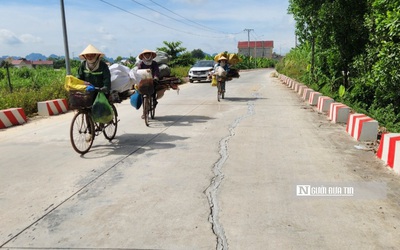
[(201, 70)]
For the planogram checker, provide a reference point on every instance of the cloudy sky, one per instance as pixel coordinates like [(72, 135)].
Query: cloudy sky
[(126, 27)]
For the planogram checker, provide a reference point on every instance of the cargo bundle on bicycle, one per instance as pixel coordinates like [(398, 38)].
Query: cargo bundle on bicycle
[(146, 84), (78, 96)]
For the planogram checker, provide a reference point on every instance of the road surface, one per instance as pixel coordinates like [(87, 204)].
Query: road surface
[(259, 170)]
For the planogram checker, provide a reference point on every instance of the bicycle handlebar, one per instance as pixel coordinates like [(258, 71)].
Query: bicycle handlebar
[(97, 89)]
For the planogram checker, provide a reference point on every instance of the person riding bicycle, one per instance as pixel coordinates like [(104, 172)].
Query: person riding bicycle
[(221, 76), (147, 62), (94, 70)]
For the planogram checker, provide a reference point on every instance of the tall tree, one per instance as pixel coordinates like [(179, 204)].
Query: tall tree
[(172, 48), (335, 28), (198, 53), (305, 13), (343, 33), (384, 52)]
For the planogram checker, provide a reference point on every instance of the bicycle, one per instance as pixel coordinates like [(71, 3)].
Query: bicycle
[(153, 91), (83, 128), (220, 88), (149, 107)]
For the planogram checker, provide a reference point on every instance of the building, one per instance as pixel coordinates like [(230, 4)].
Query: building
[(257, 49), (20, 63)]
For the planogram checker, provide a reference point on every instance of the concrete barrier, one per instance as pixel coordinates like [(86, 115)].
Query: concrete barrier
[(306, 93), (324, 103), (389, 150), (313, 99), (396, 158), (294, 85), (289, 83), (52, 107), (12, 116), (338, 112), (297, 87), (362, 127), (301, 90)]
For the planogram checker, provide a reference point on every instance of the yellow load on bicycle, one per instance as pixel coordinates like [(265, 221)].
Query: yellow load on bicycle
[(78, 97), (213, 80), (72, 83), (232, 57)]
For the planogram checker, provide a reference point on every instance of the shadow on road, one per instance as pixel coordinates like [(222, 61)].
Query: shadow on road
[(126, 144), (243, 99), (177, 120)]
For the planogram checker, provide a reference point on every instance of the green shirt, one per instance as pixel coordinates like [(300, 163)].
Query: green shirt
[(98, 78)]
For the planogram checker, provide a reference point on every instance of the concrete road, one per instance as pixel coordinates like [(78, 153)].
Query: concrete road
[(205, 175)]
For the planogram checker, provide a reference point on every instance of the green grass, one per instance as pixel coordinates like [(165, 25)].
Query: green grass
[(30, 86)]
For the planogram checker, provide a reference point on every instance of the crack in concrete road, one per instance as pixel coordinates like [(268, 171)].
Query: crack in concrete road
[(212, 189)]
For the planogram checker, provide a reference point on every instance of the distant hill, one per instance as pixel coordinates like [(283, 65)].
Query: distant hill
[(38, 56), (35, 57)]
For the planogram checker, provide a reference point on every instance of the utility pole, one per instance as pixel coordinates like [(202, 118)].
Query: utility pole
[(248, 38), (67, 65)]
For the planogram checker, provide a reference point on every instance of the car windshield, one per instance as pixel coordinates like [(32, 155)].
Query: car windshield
[(204, 64)]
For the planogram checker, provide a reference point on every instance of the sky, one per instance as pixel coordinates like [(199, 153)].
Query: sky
[(127, 27)]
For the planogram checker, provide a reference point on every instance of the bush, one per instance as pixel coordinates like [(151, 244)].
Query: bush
[(31, 86)]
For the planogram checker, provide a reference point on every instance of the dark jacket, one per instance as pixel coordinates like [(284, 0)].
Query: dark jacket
[(98, 78), (155, 70)]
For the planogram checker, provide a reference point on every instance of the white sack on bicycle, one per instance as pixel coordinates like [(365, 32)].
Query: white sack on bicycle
[(122, 78), (220, 71)]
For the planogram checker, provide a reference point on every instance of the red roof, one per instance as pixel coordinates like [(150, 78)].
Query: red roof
[(18, 62), (42, 62), (255, 44), (26, 62)]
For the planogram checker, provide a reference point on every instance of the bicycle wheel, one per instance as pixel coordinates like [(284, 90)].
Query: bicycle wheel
[(218, 90), (146, 107), (152, 106), (110, 129), (82, 132), (223, 84)]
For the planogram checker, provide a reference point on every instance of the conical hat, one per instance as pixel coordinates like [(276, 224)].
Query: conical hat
[(153, 54), (90, 49), (218, 56), (222, 58)]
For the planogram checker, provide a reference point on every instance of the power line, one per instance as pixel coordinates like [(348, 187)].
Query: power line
[(157, 11), (165, 26), (199, 24), (122, 9)]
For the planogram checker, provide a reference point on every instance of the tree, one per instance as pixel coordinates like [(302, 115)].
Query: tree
[(335, 29), (172, 48), (198, 53), (343, 20), (178, 54), (184, 59), (383, 55), (118, 59), (305, 13)]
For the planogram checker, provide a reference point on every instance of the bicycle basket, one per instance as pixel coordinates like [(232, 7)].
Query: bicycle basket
[(79, 100), (146, 87)]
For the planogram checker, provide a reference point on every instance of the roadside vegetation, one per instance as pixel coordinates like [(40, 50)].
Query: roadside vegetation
[(349, 50), (29, 86)]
